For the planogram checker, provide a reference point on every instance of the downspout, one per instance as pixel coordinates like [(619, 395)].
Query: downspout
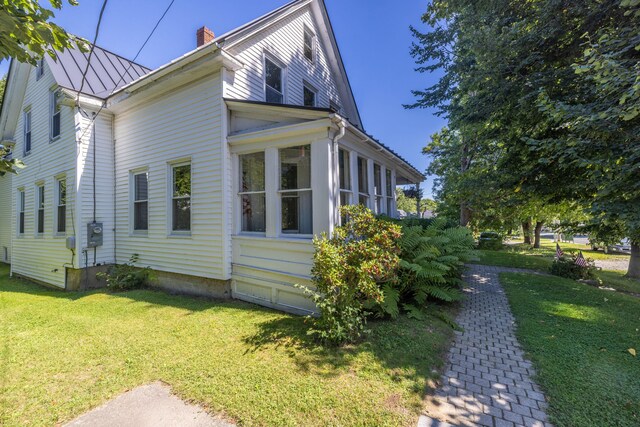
[(113, 136), (342, 129)]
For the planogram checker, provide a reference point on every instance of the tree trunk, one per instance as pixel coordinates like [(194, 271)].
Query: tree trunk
[(538, 229), (634, 261), (465, 215), (526, 231)]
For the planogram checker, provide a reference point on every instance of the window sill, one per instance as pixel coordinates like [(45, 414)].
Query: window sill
[(54, 139), (139, 233), (39, 236), (179, 235), (60, 235)]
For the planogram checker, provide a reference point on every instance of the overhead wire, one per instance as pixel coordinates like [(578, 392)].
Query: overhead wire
[(93, 45)]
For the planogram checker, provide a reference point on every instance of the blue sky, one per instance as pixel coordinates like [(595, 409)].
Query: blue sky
[(373, 36)]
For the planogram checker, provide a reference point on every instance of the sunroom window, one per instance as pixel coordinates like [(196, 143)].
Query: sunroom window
[(363, 182), (377, 186), (273, 82), (295, 190), (252, 192), (390, 194), (344, 172)]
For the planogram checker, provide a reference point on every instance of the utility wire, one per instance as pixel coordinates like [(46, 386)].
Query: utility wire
[(93, 45), (129, 67)]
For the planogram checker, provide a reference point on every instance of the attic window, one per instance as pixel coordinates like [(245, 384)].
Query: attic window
[(39, 68), (309, 95), (273, 82), (308, 44)]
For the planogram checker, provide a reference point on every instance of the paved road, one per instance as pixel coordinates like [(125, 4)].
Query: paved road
[(488, 382)]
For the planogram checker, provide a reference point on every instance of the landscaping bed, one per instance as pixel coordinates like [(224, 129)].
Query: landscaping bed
[(65, 353)]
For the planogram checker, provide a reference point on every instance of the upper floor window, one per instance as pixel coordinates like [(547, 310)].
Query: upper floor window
[(334, 106), (39, 68), (363, 181), (309, 95), (273, 75), (295, 190), (309, 39), (377, 187), (61, 210), (55, 114), (21, 206), (40, 209), (141, 201), (252, 192), (181, 197), (390, 193), (27, 131)]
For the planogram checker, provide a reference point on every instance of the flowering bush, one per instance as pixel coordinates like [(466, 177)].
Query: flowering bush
[(349, 270)]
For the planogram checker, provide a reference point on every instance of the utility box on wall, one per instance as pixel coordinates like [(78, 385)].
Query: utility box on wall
[(94, 234)]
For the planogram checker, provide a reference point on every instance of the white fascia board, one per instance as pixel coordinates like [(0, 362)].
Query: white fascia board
[(15, 89), (84, 100)]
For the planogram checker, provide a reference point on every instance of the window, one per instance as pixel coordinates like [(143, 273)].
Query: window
[(252, 192), (141, 201), (377, 187), (344, 176), (363, 181), (40, 209), (27, 132), (55, 114), (295, 190), (39, 69), (21, 206), (309, 96), (181, 197), (273, 82), (309, 42), (334, 106), (61, 211), (390, 194)]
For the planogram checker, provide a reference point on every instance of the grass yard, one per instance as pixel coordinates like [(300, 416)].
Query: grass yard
[(577, 337), (62, 354)]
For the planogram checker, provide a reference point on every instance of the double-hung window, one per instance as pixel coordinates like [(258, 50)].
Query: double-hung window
[(252, 192), (55, 114), (181, 197), (344, 176), (273, 82), (390, 194), (27, 131), (61, 212), (377, 187), (39, 69), (40, 209), (140, 201), (21, 206), (363, 181), (309, 44), (295, 190), (309, 95)]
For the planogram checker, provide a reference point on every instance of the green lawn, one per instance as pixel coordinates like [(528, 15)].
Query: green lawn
[(577, 337), (62, 354)]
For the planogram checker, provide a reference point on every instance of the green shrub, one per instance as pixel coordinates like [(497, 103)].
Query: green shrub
[(431, 264), (349, 270), (490, 240), (566, 266), (122, 277)]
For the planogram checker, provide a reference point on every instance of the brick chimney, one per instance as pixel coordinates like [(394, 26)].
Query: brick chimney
[(204, 36)]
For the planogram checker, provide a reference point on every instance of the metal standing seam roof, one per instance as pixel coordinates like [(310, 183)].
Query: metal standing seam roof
[(106, 73)]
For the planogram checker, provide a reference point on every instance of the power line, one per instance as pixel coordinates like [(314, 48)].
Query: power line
[(93, 45), (130, 65)]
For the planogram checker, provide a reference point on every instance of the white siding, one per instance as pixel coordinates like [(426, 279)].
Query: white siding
[(284, 41), (5, 214), (43, 257), (184, 124)]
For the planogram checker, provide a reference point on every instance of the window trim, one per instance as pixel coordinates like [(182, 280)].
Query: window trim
[(307, 31), (40, 206), (170, 231), (308, 86), (54, 93), (27, 114), (283, 75), (132, 201), (56, 213)]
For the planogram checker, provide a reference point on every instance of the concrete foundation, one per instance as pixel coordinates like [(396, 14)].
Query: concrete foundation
[(191, 285), (79, 279)]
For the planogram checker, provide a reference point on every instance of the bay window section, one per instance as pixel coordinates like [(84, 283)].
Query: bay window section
[(252, 192), (390, 194), (344, 175), (181, 198), (141, 201), (295, 190), (363, 182), (377, 187)]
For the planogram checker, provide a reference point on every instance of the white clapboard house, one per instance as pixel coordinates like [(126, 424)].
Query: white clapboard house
[(216, 168)]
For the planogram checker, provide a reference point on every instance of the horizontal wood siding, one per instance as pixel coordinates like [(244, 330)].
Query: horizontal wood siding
[(182, 125), (43, 257), (284, 40)]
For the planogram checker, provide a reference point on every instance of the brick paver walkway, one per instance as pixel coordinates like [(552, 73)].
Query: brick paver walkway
[(487, 381)]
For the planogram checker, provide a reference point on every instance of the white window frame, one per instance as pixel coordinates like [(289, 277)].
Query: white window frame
[(241, 193), (22, 212), (54, 95), (308, 86), (283, 75), (170, 231), (282, 193), (57, 205), (308, 32), (27, 122), (348, 192), (132, 201), (390, 192), (366, 174), (40, 207), (377, 190)]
